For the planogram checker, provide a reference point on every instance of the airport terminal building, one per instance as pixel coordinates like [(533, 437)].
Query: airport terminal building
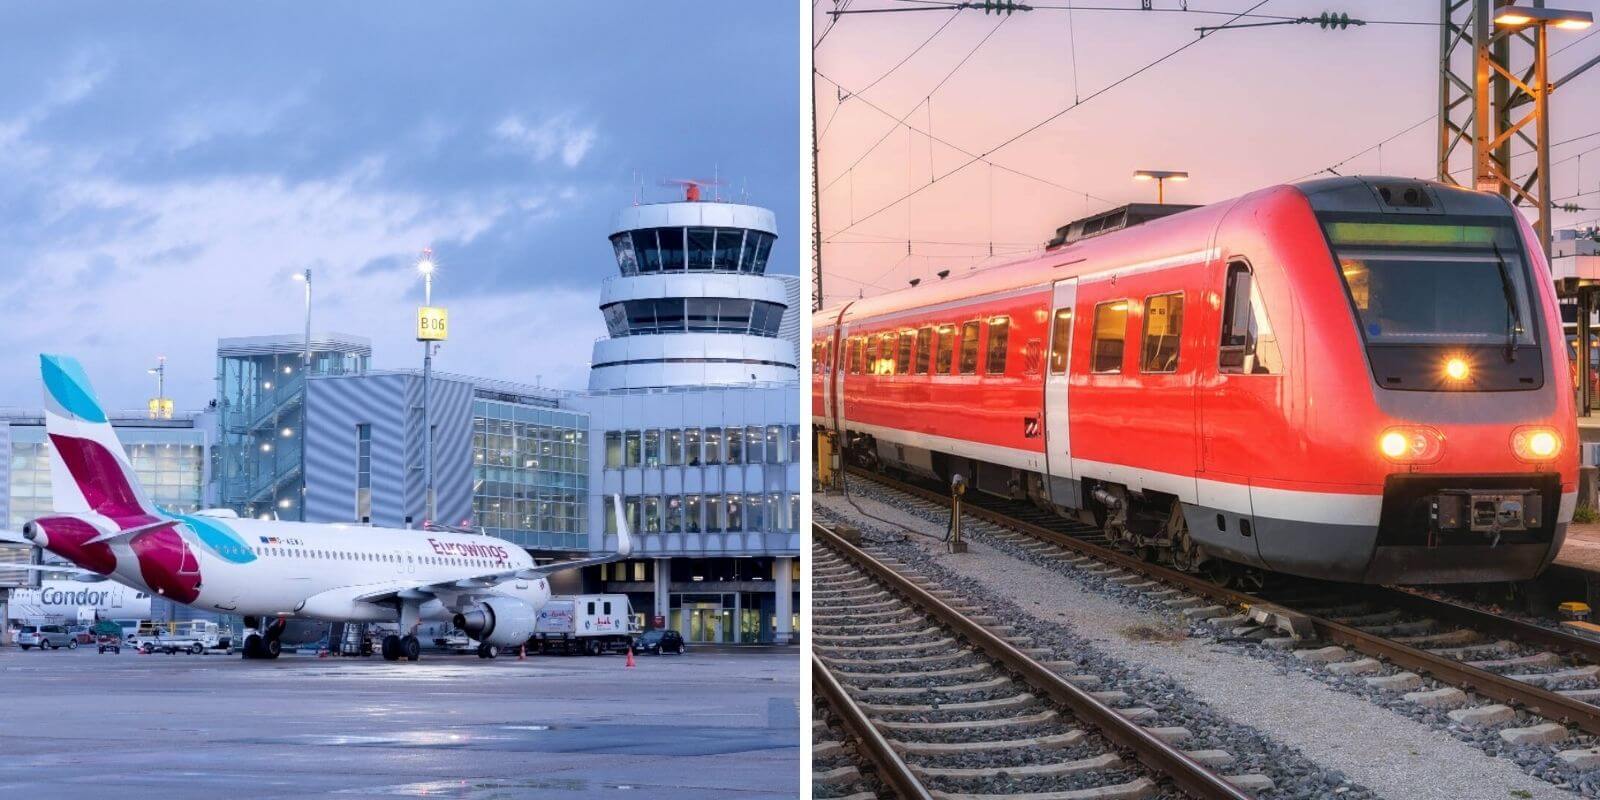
[(691, 415)]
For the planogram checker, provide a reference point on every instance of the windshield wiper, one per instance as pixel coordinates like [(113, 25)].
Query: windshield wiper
[(1513, 318)]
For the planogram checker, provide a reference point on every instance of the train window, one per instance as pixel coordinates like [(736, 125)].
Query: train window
[(852, 361), (886, 346), (995, 360), (1163, 328), (945, 342), (1060, 340), (969, 348), (902, 355), (924, 353), (1110, 331), (874, 346), (1248, 345)]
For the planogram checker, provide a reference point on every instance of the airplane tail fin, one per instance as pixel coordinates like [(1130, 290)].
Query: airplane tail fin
[(89, 470)]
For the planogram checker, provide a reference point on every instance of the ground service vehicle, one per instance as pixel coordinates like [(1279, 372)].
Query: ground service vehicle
[(1356, 379), (658, 641), (46, 637), (590, 624)]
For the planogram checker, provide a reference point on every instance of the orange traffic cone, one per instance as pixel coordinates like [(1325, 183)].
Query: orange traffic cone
[(630, 657)]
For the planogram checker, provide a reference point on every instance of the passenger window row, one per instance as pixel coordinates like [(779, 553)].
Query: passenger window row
[(928, 350), (393, 558)]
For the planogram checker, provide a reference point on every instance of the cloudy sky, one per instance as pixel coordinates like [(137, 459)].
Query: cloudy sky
[(164, 169), (1240, 110)]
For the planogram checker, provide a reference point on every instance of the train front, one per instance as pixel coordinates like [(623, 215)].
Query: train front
[(1471, 426)]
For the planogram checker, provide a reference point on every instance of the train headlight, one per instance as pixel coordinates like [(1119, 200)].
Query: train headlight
[(1457, 369), (1536, 444), (1411, 444)]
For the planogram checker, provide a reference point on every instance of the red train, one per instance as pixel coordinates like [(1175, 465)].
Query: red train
[(1355, 379)]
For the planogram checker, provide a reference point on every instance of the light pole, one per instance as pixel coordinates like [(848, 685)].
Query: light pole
[(304, 276), (1512, 20), (425, 265), (159, 407), (1160, 176)]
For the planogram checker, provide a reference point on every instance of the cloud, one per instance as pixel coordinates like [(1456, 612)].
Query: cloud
[(556, 135)]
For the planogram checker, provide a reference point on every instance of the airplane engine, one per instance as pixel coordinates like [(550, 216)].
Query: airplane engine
[(499, 621)]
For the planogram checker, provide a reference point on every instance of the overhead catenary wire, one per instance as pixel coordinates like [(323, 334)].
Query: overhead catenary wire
[(901, 120), (1040, 124)]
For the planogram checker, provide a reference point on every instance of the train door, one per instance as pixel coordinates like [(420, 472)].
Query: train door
[(835, 400), (1057, 432), (1247, 355)]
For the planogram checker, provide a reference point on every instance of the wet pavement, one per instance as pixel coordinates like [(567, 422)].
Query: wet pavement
[(708, 724)]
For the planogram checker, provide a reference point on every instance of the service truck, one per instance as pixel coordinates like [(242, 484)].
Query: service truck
[(189, 636), (590, 624)]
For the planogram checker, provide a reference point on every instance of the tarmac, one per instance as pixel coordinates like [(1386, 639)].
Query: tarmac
[(712, 723)]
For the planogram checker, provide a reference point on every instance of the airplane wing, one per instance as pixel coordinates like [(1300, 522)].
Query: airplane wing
[(14, 537), (106, 537), (491, 579)]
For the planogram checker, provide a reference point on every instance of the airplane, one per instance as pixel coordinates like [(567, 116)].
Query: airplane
[(267, 570), (70, 601)]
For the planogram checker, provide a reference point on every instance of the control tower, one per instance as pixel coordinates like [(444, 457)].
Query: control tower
[(693, 305)]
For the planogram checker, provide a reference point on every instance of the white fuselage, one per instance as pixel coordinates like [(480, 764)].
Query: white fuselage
[(68, 601), (322, 571)]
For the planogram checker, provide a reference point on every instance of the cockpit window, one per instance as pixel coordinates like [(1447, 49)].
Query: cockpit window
[(1435, 283)]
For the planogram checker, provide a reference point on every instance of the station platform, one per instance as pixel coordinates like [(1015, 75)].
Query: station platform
[(1581, 550)]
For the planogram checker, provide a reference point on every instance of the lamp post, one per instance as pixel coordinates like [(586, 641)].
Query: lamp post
[(304, 276), (1511, 20), (1160, 176), (425, 265)]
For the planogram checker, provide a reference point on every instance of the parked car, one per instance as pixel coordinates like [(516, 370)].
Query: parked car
[(53, 637), (658, 641)]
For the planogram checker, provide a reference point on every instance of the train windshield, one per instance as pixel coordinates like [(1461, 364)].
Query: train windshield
[(1435, 282)]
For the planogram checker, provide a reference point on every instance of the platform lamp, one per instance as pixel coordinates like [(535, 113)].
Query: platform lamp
[(1160, 176)]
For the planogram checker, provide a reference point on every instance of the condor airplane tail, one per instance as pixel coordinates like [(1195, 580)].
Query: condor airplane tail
[(89, 471)]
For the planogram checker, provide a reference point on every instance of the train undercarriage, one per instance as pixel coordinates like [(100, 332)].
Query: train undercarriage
[(1426, 534), (1151, 525)]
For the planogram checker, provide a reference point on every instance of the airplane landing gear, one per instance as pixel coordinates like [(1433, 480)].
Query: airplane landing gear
[(265, 644), (410, 647), (488, 651), (391, 648)]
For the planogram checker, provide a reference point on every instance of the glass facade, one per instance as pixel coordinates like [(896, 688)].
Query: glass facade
[(262, 413), (692, 249), (531, 474), (755, 509), (169, 462), (693, 315)]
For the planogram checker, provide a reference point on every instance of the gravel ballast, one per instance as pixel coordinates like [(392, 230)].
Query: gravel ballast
[(1348, 745)]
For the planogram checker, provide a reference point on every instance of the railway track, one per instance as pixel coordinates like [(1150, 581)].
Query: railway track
[(941, 701), (1528, 681)]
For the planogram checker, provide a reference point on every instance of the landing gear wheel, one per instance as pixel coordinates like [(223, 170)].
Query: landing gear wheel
[(391, 648), (488, 651), (273, 648), (410, 648), (252, 646)]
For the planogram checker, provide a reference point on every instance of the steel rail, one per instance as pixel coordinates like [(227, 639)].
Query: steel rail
[(1187, 774), (1540, 701), (892, 770)]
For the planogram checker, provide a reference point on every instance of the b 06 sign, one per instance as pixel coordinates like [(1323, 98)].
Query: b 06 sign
[(433, 324)]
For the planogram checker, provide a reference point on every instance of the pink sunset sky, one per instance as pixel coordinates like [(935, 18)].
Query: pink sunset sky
[(1240, 110)]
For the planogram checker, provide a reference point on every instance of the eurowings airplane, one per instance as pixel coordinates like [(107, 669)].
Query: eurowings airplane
[(269, 571)]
